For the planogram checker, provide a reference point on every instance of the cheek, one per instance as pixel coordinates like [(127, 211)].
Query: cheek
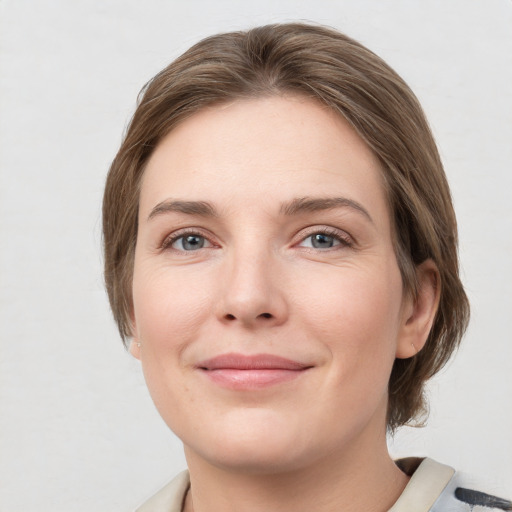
[(354, 299), (169, 306), (170, 310), (356, 314), (353, 314)]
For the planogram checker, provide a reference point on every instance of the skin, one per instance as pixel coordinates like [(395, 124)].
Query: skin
[(258, 285)]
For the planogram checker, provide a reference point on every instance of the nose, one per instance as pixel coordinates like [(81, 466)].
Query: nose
[(252, 292)]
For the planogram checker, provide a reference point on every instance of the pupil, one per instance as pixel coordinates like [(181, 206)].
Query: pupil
[(322, 241), (193, 242)]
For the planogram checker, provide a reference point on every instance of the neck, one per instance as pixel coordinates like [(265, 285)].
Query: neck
[(358, 479)]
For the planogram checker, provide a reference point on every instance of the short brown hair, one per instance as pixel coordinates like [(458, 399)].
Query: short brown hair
[(329, 67)]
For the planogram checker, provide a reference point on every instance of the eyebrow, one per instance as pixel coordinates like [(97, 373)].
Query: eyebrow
[(199, 208), (294, 207), (316, 204)]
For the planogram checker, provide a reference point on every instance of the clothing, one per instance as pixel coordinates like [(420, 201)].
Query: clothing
[(433, 487)]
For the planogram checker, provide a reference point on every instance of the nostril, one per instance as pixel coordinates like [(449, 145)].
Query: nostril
[(230, 317)]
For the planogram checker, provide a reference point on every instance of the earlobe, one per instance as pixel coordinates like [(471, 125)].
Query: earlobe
[(135, 348), (135, 344), (420, 312)]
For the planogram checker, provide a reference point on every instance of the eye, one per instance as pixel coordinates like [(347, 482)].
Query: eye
[(325, 240), (187, 242)]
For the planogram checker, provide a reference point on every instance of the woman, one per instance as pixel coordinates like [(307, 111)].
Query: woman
[(281, 249)]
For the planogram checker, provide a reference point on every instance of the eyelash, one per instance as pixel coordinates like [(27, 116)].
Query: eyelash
[(345, 239), (174, 237)]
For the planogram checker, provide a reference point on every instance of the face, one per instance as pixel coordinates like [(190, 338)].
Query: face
[(267, 297)]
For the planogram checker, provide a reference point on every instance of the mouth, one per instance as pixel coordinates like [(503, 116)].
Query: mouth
[(243, 372)]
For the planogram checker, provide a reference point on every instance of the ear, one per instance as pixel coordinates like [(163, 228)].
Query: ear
[(135, 348), (419, 312), (135, 344)]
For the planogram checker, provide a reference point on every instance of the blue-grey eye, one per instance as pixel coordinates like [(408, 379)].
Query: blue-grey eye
[(189, 243), (323, 241)]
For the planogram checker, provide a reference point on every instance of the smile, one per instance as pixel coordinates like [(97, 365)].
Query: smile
[(242, 372)]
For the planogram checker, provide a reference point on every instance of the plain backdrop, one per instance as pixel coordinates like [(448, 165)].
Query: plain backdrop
[(78, 430)]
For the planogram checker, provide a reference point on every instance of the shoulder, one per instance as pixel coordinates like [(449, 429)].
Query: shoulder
[(170, 498), (435, 487)]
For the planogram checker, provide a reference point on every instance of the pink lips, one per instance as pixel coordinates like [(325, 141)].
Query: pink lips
[(241, 372)]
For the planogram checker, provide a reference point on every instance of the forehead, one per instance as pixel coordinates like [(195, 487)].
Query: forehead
[(267, 150)]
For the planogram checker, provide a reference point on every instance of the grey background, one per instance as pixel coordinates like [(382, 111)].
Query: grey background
[(78, 430)]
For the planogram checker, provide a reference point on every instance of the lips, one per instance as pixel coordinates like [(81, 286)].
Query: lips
[(243, 372)]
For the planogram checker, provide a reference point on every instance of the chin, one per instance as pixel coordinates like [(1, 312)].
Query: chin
[(255, 442), (256, 459)]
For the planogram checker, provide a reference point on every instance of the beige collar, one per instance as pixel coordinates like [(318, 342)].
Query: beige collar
[(426, 484), (170, 498)]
